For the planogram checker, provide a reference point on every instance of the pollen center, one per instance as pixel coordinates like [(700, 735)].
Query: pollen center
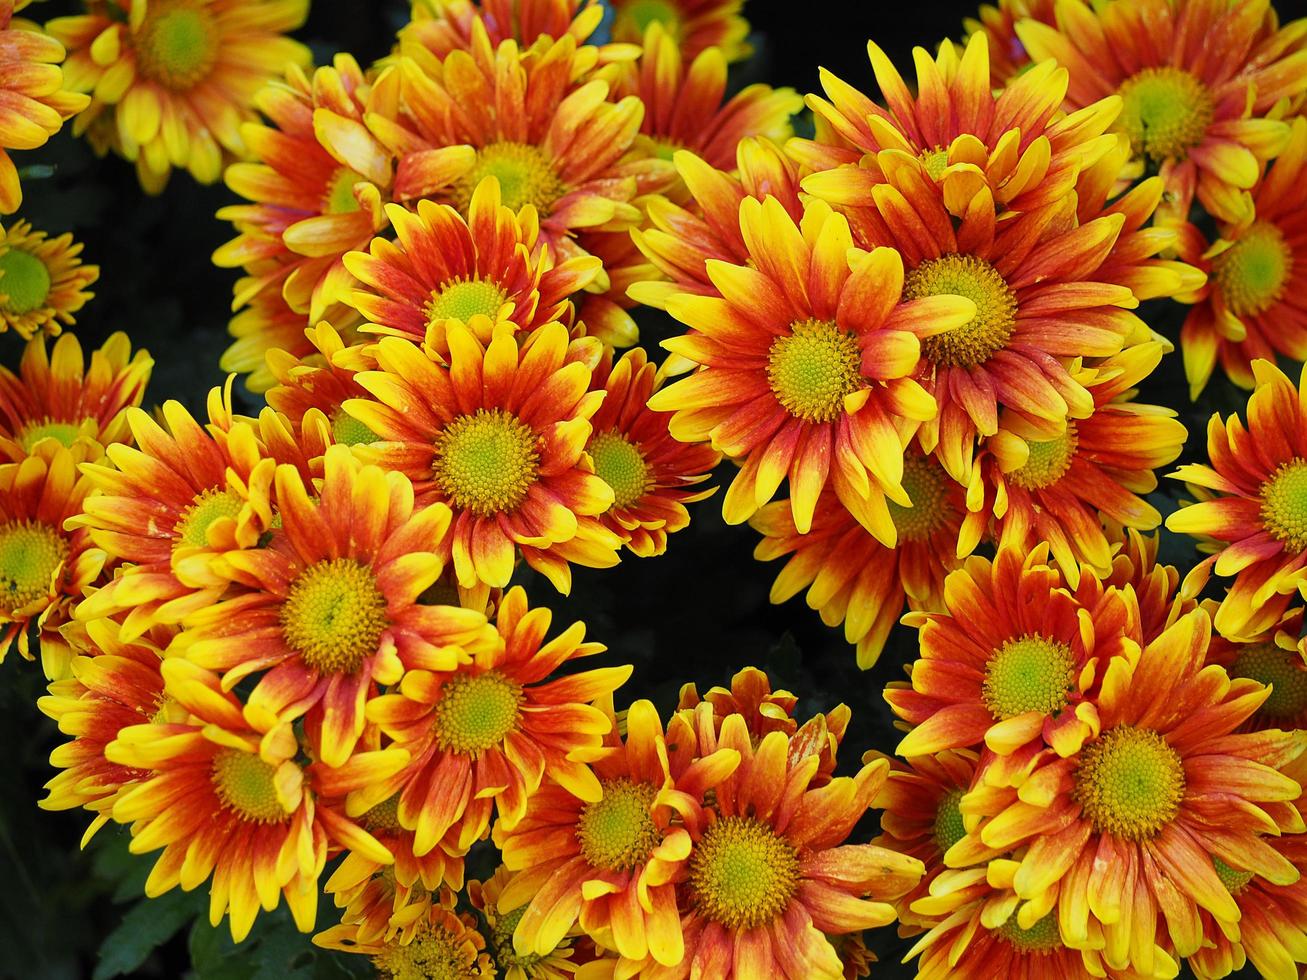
[(1129, 783), (812, 369), (524, 172), (462, 299), (1251, 273), (334, 615), (177, 45), (923, 481), (617, 831), (1284, 504), (506, 955), (24, 281), (935, 161), (476, 712), (619, 464), (1166, 112), (339, 197), (209, 506), (743, 875), (1285, 672), (384, 816), (346, 430), (65, 433), (486, 462), (1048, 461), (1233, 879), (1030, 673), (1042, 937), (996, 308), (949, 828), (247, 784), (31, 554), (435, 954)]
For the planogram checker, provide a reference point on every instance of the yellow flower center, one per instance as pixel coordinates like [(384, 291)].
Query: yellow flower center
[(65, 432), (1129, 783), (1251, 273), (525, 176), (619, 464), (1166, 112), (949, 828), (346, 430), (812, 369), (639, 14), (384, 816), (1233, 879), (931, 509), (617, 832), (1043, 937), (31, 555), (1048, 461), (1284, 505), (247, 785), (486, 462), (462, 299), (1268, 664), (435, 954), (1030, 673), (177, 44), (209, 505), (334, 615), (743, 875), (24, 281), (339, 196), (476, 712), (935, 162), (996, 308), (501, 938)]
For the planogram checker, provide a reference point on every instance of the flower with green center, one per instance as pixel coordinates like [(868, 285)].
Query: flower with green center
[(935, 161), (176, 44), (1029, 673), (31, 556), (524, 173), (65, 433), (1042, 937), (24, 281), (1233, 879), (216, 503), (694, 25), (1284, 504), (339, 196), (620, 464), (1048, 461), (742, 874), (486, 462), (1165, 112), (462, 299), (617, 832), (349, 431), (813, 368), (1129, 783), (334, 615), (996, 306), (949, 827), (1284, 672), (927, 486), (1251, 274), (248, 786), (476, 712)]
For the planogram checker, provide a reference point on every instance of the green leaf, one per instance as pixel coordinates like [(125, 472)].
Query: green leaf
[(147, 925)]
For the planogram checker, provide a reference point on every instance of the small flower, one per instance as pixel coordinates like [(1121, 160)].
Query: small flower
[(42, 281)]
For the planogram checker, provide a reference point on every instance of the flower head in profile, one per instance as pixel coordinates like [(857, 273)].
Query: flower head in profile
[(42, 281), (558, 963)]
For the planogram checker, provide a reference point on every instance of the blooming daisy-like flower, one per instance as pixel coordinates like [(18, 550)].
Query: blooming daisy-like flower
[(1276, 660), (483, 271), (850, 576), (556, 964), (311, 390), (651, 474), (998, 21), (229, 800), (1015, 661), (489, 731), (1253, 305), (36, 102), (42, 281), (57, 395), (1196, 112), (1250, 510), (330, 609), (695, 25), (499, 435), (806, 357), (178, 76), (614, 863), (1122, 832)]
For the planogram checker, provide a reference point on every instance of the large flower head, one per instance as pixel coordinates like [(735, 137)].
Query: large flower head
[(172, 80), (695, 25), (486, 734), (1198, 82), (853, 579), (806, 357), (42, 281), (498, 434)]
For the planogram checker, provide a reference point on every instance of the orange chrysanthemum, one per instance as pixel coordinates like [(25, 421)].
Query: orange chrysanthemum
[(42, 281), (269, 325), (1007, 55), (1275, 659), (555, 964), (695, 25), (806, 359), (487, 733), (439, 27), (1198, 82), (310, 391), (750, 696), (379, 907), (499, 436), (56, 395), (172, 80), (1154, 584)]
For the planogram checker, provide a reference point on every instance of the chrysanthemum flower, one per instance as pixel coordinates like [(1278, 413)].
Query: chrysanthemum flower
[(1253, 305), (42, 280), (555, 964), (998, 21), (1275, 659), (179, 76), (441, 26), (1015, 661), (1155, 585), (488, 732), (499, 435), (1197, 112), (1123, 832), (268, 325), (56, 395), (36, 103), (853, 579), (229, 800), (311, 390), (1249, 510), (750, 696), (483, 271), (43, 568), (380, 907), (806, 359), (614, 863), (695, 25)]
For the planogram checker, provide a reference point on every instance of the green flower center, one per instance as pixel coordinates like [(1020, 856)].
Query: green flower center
[(1042, 937), (996, 308), (924, 483), (462, 299), (209, 506), (24, 281), (634, 18), (1251, 273), (935, 161), (501, 938), (1130, 783), (1284, 504), (742, 874), (617, 831), (487, 462), (1268, 664), (524, 172), (384, 816), (65, 433), (247, 785), (339, 197), (619, 464), (1030, 673), (346, 430), (1233, 879), (177, 45), (949, 828), (1048, 461), (31, 555), (812, 369), (435, 954), (1166, 112), (334, 615), (476, 711)]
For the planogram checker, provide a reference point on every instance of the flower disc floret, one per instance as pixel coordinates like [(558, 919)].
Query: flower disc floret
[(1251, 273), (925, 484), (1029, 673), (812, 369), (1283, 671), (1284, 504), (30, 555), (210, 505), (334, 615), (247, 785), (1048, 461), (996, 307), (949, 828), (486, 462), (618, 832), (24, 281), (524, 172), (1165, 112), (621, 465), (1233, 879), (476, 712), (743, 875), (1130, 783), (462, 299), (1042, 937)]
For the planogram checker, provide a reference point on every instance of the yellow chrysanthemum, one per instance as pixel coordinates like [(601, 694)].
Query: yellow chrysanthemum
[(42, 281)]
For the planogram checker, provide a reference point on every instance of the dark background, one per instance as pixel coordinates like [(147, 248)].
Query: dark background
[(697, 614)]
